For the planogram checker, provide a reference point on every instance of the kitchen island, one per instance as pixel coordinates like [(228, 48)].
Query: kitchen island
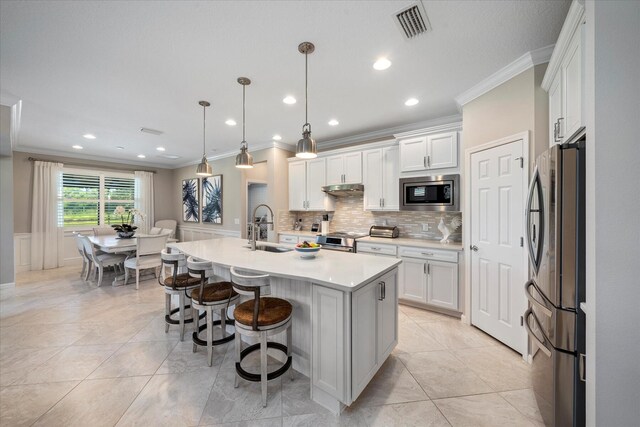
[(345, 311)]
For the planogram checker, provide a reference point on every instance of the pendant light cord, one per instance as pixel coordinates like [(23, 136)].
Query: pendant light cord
[(204, 130), (243, 114), (306, 89)]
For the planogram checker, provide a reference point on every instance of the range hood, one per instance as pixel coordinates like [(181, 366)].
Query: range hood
[(342, 190)]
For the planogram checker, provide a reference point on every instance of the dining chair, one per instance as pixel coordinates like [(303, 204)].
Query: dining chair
[(148, 249), (86, 263), (99, 260), (167, 223), (104, 231)]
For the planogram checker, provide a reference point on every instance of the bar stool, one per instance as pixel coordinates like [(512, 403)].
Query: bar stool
[(211, 295), (176, 284), (260, 317)]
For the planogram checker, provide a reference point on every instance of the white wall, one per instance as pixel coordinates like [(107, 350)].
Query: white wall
[(6, 199), (612, 59)]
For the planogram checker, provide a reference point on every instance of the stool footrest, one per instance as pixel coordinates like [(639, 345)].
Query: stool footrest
[(168, 319), (249, 376), (198, 341)]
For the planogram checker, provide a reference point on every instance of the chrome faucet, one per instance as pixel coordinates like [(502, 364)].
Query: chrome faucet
[(254, 223)]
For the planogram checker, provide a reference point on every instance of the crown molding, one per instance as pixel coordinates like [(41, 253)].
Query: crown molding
[(448, 127), (526, 61), (574, 18), (386, 133)]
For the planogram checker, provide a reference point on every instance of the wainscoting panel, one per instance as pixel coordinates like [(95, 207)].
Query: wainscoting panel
[(22, 251), (191, 233)]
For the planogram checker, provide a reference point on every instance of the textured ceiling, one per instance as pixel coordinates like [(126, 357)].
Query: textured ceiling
[(109, 68)]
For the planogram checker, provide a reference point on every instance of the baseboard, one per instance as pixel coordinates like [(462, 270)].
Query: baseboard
[(9, 285)]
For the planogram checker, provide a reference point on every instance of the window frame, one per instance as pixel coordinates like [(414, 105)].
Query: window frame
[(102, 174)]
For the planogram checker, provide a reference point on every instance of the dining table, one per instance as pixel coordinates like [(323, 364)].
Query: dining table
[(113, 244)]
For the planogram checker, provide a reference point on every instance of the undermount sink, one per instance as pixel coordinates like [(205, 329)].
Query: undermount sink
[(273, 249)]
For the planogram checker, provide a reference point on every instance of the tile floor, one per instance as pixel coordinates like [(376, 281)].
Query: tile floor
[(72, 354)]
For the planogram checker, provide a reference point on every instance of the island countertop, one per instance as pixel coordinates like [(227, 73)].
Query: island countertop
[(334, 269)]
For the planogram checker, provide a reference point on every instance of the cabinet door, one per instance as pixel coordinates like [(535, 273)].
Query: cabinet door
[(413, 154), (297, 186), (373, 177), (413, 286), (572, 87), (316, 179), (442, 150), (442, 284), (555, 108), (352, 168), (364, 362), (387, 317), (391, 179), (335, 170)]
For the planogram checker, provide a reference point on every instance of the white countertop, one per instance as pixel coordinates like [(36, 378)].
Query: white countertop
[(338, 270), (422, 243)]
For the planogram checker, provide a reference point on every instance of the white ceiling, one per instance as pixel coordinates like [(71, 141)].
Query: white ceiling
[(109, 68)]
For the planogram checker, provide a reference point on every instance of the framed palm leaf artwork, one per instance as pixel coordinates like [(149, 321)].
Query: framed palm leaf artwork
[(212, 199), (190, 200)]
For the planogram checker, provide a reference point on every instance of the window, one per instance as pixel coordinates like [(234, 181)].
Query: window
[(89, 198)]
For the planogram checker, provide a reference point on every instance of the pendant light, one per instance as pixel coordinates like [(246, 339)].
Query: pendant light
[(204, 168), (244, 160), (306, 148)]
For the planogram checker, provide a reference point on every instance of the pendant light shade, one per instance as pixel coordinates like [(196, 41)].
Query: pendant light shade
[(244, 160), (306, 147), (204, 168)]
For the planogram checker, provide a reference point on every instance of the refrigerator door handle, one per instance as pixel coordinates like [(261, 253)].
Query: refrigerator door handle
[(533, 300), (535, 183), (544, 346)]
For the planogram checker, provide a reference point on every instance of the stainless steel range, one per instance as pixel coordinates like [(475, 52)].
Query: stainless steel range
[(339, 241)]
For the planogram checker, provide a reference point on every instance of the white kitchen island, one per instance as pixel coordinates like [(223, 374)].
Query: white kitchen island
[(345, 310)]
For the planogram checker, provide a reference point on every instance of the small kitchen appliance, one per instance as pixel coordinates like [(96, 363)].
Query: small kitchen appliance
[(339, 241), (389, 232), (430, 193)]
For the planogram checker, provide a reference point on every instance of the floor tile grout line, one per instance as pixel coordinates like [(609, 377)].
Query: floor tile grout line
[(134, 399), (58, 401)]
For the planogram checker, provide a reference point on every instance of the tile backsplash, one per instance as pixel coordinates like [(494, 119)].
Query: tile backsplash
[(349, 216)]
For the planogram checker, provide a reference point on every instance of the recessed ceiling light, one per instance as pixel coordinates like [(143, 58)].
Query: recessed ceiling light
[(277, 137), (411, 102), (89, 136), (333, 122), (382, 64), (120, 147), (77, 147), (231, 122), (289, 100), (141, 156), (160, 148)]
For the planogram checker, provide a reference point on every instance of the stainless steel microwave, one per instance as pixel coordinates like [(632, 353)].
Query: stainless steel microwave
[(430, 193)]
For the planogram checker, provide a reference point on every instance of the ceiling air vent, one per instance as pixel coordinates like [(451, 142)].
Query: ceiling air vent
[(413, 20)]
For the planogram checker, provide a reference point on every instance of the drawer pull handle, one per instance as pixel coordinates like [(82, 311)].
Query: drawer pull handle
[(427, 253)]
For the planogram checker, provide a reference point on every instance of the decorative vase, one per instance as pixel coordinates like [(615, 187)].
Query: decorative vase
[(126, 234)]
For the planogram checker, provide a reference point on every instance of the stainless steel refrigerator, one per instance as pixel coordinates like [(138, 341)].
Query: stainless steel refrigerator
[(555, 219)]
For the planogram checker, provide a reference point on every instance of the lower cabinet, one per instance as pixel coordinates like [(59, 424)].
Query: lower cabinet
[(413, 286), (374, 329)]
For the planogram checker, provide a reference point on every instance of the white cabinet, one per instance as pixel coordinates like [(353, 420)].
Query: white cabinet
[(376, 249), (374, 331), (288, 238), (306, 178), (381, 179), (344, 169), (429, 276), (427, 152), (564, 80)]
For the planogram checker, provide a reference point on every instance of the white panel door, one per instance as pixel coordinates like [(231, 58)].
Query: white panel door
[(316, 179), (442, 150), (352, 168), (335, 170), (387, 316), (413, 154), (391, 179), (364, 340), (572, 88), (372, 179), (297, 186), (442, 284), (497, 266), (414, 285)]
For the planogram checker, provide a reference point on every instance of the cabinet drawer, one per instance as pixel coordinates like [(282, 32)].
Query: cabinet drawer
[(378, 249), (285, 238), (428, 253)]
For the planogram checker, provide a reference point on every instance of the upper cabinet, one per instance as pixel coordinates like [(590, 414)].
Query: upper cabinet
[(306, 178), (428, 152), (381, 179), (344, 169), (564, 79)]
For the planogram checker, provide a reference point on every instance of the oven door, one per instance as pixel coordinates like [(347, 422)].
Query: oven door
[(434, 193)]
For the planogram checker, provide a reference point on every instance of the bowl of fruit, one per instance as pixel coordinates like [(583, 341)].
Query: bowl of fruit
[(307, 249)]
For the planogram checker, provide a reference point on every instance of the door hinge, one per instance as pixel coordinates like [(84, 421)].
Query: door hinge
[(521, 321), (521, 161), (522, 242)]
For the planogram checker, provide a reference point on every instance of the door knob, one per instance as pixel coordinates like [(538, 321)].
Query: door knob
[(473, 248)]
